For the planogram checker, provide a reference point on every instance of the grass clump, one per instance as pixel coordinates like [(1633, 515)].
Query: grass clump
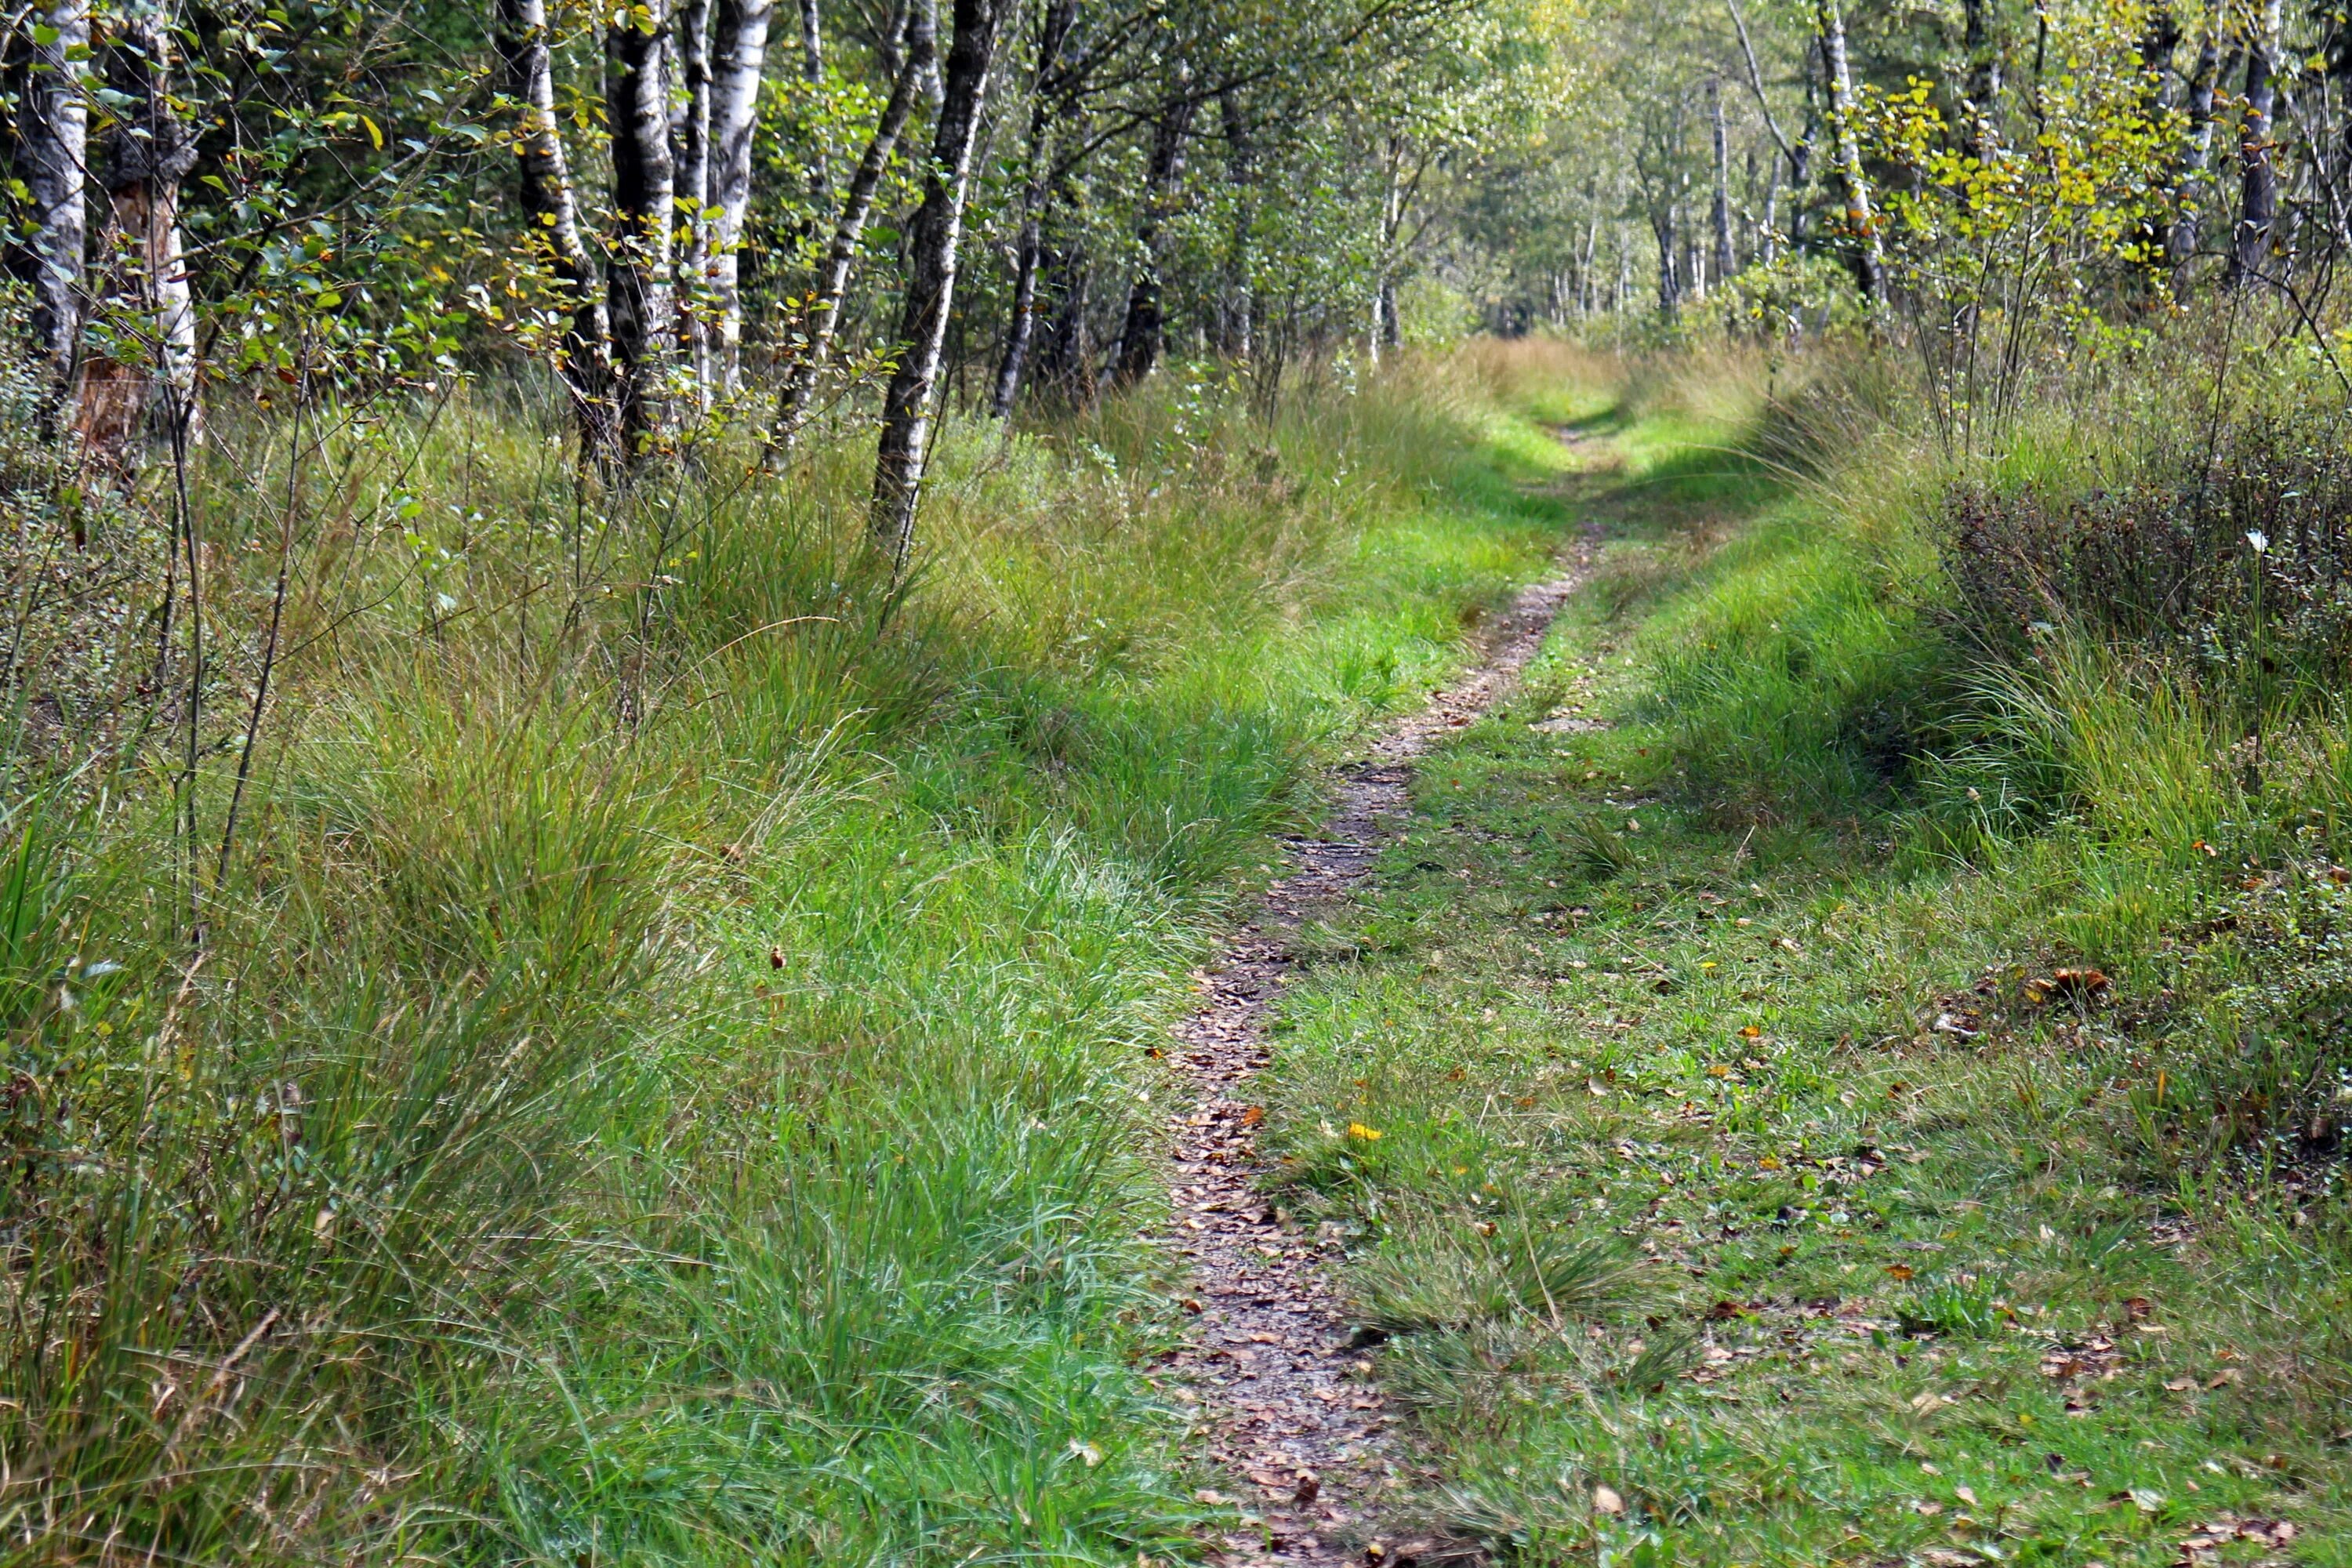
[(657, 1072)]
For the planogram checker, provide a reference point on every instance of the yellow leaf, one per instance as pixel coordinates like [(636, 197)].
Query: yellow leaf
[(374, 135), (1358, 1129)]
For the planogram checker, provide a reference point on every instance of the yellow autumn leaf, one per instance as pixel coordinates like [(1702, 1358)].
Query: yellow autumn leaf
[(1358, 1129)]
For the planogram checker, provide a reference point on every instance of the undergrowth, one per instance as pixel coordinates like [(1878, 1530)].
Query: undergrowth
[(1943, 1015), (656, 1070)]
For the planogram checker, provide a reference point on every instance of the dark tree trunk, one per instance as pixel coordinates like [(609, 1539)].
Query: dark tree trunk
[(1142, 335), (142, 296), (798, 398), (2257, 175), (934, 240), (2159, 41), (1020, 330), (1663, 223), (638, 295), (2190, 183), (1068, 366)]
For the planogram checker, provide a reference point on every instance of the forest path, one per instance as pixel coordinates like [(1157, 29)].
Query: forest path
[(1288, 1411)]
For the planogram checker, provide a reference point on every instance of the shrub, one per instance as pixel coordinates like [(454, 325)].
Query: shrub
[(2235, 552)]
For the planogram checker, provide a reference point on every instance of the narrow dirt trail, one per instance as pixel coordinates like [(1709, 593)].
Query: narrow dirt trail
[(1287, 1411)]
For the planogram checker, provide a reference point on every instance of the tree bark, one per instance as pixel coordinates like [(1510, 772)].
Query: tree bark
[(1663, 223), (798, 398), (551, 212), (2190, 185), (811, 43), (693, 142), (738, 52), (1143, 333), (143, 297), (1727, 260), (1387, 333), (54, 152), (638, 296), (2257, 176), (1067, 365), (1861, 223), (1584, 287), (1237, 310), (934, 239), (1020, 330)]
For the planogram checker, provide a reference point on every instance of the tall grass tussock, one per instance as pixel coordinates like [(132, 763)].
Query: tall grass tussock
[(656, 1070)]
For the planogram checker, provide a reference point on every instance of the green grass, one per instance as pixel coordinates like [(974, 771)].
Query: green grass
[(667, 1072), (1932, 1263)]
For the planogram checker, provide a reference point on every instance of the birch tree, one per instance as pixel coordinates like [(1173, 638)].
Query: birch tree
[(551, 214), (55, 145), (917, 31), (143, 367), (1867, 252), (738, 55), (640, 295), (933, 241)]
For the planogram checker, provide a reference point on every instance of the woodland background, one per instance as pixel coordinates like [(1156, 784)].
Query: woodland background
[(640, 641)]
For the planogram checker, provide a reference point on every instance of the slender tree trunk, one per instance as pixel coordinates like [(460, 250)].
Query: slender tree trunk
[(2159, 41), (694, 186), (143, 297), (1664, 222), (2257, 175), (1800, 160), (737, 56), (2190, 186), (1726, 261), (1067, 365), (54, 152), (1237, 308), (637, 293), (1983, 131), (1141, 336), (1021, 329), (1861, 223), (812, 44), (551, 212), (1387, 333), (798, 398), (1584, 287), (934, 238)]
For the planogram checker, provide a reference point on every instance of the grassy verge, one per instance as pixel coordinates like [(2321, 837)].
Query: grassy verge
[(661, 1074), (1748, 1165)]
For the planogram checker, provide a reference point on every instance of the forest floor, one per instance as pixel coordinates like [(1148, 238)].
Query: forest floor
[(1716, 1182)]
